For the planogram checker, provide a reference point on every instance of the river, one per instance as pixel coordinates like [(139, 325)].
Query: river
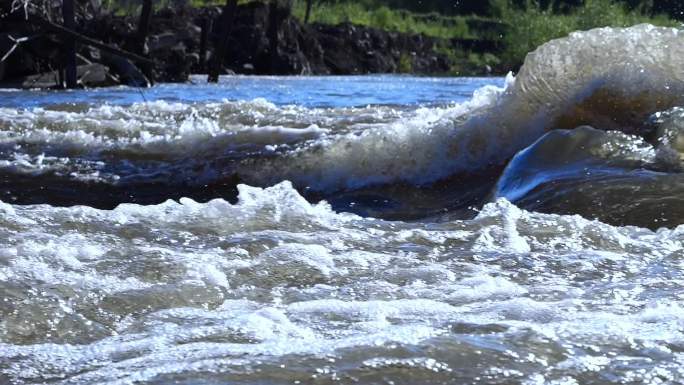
[(341, 230)]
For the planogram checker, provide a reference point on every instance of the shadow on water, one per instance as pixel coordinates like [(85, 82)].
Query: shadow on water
[(457, 197)]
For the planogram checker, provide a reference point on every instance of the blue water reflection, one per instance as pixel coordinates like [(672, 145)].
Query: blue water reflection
[(308, 91)]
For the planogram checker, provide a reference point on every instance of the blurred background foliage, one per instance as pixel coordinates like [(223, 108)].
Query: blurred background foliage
[(516, 26)]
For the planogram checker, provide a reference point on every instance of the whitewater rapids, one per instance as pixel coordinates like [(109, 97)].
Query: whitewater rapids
[(274, 290), (395, 230)]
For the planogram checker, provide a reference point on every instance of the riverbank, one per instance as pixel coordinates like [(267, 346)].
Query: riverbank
[(263, 40), (341, 39)]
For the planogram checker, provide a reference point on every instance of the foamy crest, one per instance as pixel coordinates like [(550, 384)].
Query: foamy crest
[(610, 78)]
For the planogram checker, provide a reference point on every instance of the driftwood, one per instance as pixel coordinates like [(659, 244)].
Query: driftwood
[(119, 60), (128, 73)]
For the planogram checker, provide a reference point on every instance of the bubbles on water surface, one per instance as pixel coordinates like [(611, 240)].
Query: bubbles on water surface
[(274, 287)]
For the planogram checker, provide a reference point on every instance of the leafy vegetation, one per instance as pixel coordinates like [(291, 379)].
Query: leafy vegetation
[(386, 18), (527, 25), (518, 25), (532, 25), (405, 64)]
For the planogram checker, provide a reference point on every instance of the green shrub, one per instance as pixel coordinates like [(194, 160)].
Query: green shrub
[(532, 25), (524, 27), (405, 63), (370, 13), (383, 18)]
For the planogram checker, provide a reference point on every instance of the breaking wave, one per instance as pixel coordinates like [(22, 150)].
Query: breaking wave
[(610, 79), (174, 263)]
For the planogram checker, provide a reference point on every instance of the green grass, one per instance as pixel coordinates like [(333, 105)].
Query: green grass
[(525, 28), (384, 18), (534, 25), (405, 64), (369, 13), (520, 29)]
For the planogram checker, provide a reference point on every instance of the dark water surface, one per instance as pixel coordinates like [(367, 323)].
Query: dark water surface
[(341, 230)]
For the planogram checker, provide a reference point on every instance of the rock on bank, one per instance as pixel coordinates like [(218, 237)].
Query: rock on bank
[(263, 40)]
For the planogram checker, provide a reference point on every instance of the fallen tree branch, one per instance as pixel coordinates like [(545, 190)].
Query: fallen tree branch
[(56, 28), (21, 4), (16, 42)]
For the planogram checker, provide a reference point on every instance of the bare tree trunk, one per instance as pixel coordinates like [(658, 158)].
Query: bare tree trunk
[(272, 33), (143, 29), (227, 17), (204, 42), (69, 45), (144, 25), (308, 11)]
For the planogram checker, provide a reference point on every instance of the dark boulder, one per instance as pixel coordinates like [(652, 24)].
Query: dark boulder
[(319, 49), (351, 49)]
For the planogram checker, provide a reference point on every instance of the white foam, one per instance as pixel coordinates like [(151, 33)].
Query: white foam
[(597, 77), (241, 289), (273, 276)]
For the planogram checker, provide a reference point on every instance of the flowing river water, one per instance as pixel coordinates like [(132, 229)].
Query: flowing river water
[(342, 230)]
